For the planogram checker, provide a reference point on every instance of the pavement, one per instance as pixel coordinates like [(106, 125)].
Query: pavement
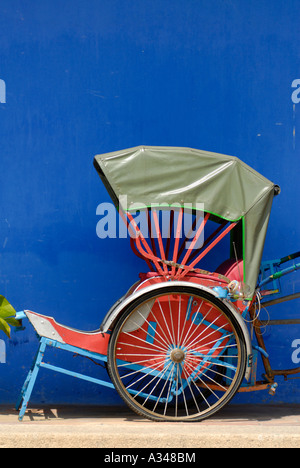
[(119, 428)]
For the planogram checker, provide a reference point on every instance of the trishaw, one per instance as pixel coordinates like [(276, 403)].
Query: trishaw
[(186, 337)]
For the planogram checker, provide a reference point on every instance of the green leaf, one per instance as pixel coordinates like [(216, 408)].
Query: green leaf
[(6, 309), (5, 327), (7, 314), (12, 321)]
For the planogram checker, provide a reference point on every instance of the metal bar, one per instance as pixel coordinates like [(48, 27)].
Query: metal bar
[(20, 315), (289, 257), (279, 274), (210, 238), (197, 235), (199, 257), (177, 237), (251, 388), (189, 234), (280, 322), (160, 242), (150, 232), (76, 374), (138, 254), (75, 350), (279, 300), (261, 343), (140, 238), (31, 378), (296, 370), (150, 256), (171, 226)]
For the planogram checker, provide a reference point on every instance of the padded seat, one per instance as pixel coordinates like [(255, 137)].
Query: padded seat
[(232, 270)]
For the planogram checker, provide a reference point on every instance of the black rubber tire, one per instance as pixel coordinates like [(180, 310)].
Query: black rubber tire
[(189, 409)]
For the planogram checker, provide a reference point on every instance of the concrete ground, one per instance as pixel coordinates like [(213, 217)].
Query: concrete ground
[(119, 428)]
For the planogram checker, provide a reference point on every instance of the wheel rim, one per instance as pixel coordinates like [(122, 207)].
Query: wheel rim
[(177, 356)]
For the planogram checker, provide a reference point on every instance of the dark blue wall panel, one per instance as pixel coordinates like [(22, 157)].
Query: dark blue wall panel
[(85, 77)]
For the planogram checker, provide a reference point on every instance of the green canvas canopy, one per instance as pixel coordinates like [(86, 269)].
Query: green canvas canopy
[(228, 188)]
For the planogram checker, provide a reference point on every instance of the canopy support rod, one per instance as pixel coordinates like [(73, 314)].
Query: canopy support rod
[(181, 274), (197, 235), (160, 242), (197, 217), (208, 240), (170, 233), (177, 237), (140, 238)]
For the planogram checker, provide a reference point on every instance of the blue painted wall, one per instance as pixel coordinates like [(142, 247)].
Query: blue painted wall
[(85, 77)]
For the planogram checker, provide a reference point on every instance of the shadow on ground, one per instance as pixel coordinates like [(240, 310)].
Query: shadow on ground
[(229, 414)]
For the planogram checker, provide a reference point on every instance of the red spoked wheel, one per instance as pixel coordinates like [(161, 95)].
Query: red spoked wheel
[(177, 355)]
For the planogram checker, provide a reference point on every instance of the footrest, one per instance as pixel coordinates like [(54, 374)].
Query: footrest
[(47, 327)]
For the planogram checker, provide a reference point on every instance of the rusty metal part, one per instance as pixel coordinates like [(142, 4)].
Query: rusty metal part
[(243, 389)]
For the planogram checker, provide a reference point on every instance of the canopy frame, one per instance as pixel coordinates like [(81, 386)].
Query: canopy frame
[(230, 190)]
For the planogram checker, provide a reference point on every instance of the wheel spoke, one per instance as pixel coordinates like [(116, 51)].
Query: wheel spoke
[(143, 341), (162, 341), (192, 323), (177, 355), (167, 339), (204, 330), (164, 320)]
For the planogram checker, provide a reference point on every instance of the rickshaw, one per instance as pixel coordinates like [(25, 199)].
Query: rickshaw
[(178, 345)]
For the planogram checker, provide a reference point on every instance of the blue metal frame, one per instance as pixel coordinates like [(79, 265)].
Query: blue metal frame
[(276, 272), (38, 363), (168, 372)]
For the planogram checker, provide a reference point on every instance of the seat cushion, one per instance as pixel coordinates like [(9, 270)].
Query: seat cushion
[(231, 269)]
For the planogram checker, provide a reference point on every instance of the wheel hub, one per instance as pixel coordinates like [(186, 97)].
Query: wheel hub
[(177, 355)]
